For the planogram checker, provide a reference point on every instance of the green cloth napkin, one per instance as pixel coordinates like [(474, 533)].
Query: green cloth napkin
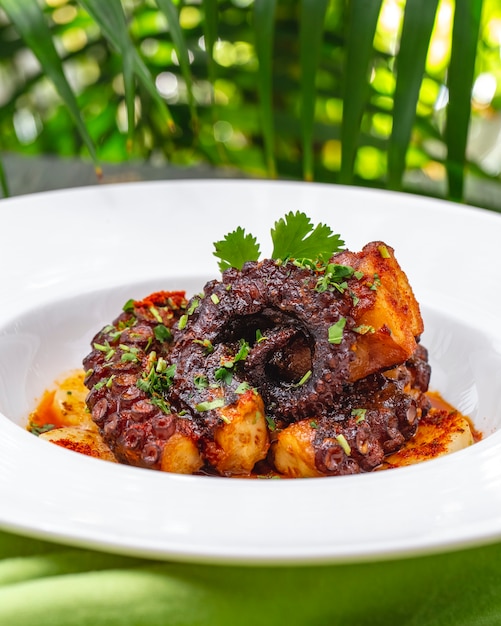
[(47, 584)]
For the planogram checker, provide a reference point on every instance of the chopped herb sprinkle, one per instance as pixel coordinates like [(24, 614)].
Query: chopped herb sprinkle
[(341, 439), (336, 331), (210, 405)]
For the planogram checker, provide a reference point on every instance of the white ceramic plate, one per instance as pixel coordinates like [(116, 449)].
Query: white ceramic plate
[(69, 260)]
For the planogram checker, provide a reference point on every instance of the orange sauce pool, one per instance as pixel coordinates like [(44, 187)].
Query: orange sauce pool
[(438, 403)]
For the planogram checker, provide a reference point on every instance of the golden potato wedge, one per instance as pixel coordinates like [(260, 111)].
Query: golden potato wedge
[(180, 455), (80, 440), (386, 312), (242, 438), (69, 402), (439, 433), (293, 452)]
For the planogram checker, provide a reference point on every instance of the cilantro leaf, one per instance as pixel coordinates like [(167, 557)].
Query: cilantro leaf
[(235, 249), (295, 237)]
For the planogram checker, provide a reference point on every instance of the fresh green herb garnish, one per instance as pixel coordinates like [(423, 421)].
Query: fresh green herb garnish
[(341, 439), (271, 423), (106, 349), (305, 377), (293, 237), (243, 351), (200, 381), (162, 333), (157, 382), (224, 375), (201, 407), (129, 357), (383, 251), (332, 278), (259, 336), (376, 283), (235, 249), (359, 414), (38, 430), (336, 331), (128, 307), (242, 388), (195, 303), (156, 314), (206, 345), (364, 329)]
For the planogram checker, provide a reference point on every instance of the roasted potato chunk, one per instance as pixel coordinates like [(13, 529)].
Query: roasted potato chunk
[(181, 455), (293, 452), (242, 438), (80, 440), (386, 313)]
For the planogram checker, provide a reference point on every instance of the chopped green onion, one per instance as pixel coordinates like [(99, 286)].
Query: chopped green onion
[(336, 331), (383, 251), (341, 439), (210, 405)]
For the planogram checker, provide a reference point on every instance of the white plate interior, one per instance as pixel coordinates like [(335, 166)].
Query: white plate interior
[(55, 306)]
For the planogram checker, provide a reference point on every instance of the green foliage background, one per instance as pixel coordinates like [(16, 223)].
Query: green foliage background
[(394, 94)]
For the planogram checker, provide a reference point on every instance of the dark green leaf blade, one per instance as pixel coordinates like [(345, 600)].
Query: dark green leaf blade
[(362, 22), (264, 15), (106, 16), (235, 249), (29, 21), (295, 237), (419, 18), (210, 24), (3, 181), (310, 44), (465, 33), (170, 11)]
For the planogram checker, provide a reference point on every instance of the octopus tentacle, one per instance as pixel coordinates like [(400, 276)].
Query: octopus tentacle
[(281, 304), (134, 423)]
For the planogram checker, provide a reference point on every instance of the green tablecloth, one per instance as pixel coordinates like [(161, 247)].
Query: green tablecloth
[(45, 584)]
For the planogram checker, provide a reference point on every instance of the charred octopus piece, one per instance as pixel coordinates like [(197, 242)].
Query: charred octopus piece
[(275, 311), (129, 378), (372, 418)]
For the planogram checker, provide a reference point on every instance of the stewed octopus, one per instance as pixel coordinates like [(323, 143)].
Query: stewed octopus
[(277, 367)]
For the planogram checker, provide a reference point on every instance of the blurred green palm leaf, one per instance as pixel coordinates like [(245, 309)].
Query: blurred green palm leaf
[(310, 42), (264, 15), (171, 13), (460, 82), (210, 34), (111, 13), (3, 181), (110, 17), (417, 28), (362, 21), (31, 24)]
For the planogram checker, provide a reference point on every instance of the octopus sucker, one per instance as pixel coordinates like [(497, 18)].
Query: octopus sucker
[(313, 369)]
